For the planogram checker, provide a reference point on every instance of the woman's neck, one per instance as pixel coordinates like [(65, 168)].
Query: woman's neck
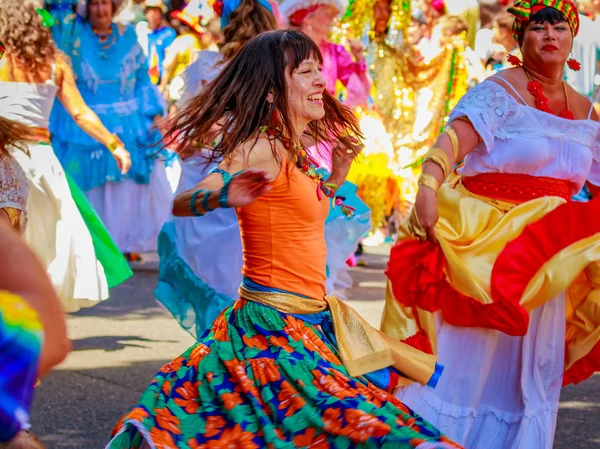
[(550, 78), (105, 29)]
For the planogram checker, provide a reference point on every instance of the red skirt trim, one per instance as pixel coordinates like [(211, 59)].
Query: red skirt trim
[(416, 273), (516, 188)]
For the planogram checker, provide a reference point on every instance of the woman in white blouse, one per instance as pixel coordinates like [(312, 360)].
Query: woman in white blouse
[(497, 271)]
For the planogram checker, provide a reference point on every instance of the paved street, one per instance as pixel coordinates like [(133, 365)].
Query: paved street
[(120, 344)]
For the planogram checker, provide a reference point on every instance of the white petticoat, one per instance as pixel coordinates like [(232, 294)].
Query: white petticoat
[(497, 391), (134, 213), (57, 233)]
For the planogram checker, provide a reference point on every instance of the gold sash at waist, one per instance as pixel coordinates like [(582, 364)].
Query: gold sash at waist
[(362, 348)]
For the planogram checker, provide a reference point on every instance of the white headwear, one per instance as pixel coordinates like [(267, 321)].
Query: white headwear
[(289, 7)]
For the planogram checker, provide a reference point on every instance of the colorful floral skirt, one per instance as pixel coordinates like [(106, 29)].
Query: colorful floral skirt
[(264, 379)]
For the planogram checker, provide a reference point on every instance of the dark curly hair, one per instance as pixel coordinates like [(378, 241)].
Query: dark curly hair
[(27, 41)]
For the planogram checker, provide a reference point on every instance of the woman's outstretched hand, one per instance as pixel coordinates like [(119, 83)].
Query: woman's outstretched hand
[(427, 212), (123, 159), (246, 186)]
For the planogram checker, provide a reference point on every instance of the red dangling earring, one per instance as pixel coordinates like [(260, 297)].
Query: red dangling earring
[(574, 64), (514, 61)]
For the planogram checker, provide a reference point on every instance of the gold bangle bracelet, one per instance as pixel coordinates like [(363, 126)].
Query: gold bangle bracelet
[(439, 157), (115, 144), (451, 133), (439, 162), (428, 180)]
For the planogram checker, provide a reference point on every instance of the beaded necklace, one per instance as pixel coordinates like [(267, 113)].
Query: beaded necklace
[(536, 89), (310, 167)]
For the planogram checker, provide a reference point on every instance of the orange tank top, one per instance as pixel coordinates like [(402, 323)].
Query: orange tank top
[(283, 235)]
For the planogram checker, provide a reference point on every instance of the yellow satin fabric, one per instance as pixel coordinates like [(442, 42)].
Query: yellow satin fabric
[(472, 231), (362, 348)]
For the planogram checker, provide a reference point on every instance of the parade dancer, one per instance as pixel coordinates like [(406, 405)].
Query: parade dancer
[(497, 271), (270, 372), (347, 70), (196, 285), (63, 229), (111, 73)]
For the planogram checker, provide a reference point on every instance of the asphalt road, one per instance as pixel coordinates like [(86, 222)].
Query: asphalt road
[(120, 344)]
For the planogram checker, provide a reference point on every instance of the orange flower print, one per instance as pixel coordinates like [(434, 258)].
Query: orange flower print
[(282, 342), (221, 329), (289, 399), (332, 421), (210, 376), (162, 439), (307, 439), (214, 426), (257, 341), (194, 444), (197, 354), (330, 385), (189, 397), (173, 366), (166, 387), (362, 426), (239, 376), (234, 438), (264, 370), (166, 420), (137, 414), (298, 330), (279, 433), (373, 396), (230, 400)]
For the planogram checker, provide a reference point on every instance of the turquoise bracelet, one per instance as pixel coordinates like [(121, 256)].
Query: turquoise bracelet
[(204, 201), (224, 197), (193, 199)]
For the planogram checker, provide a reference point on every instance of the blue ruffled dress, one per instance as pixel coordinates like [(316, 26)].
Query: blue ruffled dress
[(114, 82)]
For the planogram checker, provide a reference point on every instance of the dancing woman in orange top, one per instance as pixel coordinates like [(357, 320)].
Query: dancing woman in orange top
[(279, 368)]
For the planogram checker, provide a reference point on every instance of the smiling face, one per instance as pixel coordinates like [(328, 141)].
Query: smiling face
[(100, 13), (381, 16), (305, 87), (319, 23), (546, 44), (154, 17)]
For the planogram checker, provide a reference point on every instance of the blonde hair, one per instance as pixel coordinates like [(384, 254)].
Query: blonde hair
[(247, 21), (28, 43)]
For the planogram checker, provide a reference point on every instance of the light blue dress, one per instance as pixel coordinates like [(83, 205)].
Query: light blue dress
[(114, 82)]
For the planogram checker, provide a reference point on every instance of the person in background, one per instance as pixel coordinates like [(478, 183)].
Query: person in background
[(505, 43), (316, 18), (180, 52), (33, 333), (155, 37), (112, 75)]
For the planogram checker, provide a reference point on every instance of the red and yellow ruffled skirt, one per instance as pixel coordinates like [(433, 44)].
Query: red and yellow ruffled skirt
[(505, 248)]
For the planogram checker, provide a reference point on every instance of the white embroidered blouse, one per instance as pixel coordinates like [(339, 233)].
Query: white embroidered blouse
[(519, 139)]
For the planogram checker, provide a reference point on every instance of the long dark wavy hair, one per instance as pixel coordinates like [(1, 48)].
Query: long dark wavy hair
[(237, 99)]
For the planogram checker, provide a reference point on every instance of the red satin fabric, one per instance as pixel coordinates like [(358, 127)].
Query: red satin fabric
[(416, 273), (516, 188)]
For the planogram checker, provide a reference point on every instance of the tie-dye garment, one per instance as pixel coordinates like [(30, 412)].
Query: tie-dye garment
[(20, 346)]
